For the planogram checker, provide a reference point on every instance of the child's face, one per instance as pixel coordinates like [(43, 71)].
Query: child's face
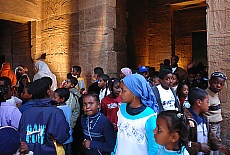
[(24, 81), (184, 91), (101, 83), (161, 133), (174, 80), (198, 76), (116, 89), (204, 104), (216, 84), (68, 84), (126, 95), (74, 72), (25, 95), (122, 75), (191, 77), (20, 71), (156, 81), (57, 98), (167, 81), (90, 105)]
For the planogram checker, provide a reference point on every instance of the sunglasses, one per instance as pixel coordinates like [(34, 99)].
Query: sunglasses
[(219, 74)]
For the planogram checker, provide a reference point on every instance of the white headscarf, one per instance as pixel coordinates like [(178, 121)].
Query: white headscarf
[(44, 71)]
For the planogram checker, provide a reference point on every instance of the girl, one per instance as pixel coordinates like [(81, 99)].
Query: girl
[(19, 71), (24, 80), (98, 130), (103, 84), (182, 93), (172, 133), (136, 117), (110, 104), (175, 78), (125, 72)]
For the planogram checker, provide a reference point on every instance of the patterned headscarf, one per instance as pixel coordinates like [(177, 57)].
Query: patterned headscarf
[(138, 85), (126, 71)]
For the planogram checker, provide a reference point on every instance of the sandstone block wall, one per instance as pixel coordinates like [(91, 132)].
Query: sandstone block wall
[(185, 22), (218, 20)]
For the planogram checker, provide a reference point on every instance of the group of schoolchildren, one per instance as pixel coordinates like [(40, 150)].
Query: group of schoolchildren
[(122, 116)]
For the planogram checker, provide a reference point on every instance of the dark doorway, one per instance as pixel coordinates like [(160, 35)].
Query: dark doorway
[(199, 47), (2, 59)]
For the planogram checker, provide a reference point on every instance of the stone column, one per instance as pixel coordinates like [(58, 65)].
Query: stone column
[(97, 21), (218, 33)]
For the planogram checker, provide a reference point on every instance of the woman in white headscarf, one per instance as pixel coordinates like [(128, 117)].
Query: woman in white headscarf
[(44, 71)]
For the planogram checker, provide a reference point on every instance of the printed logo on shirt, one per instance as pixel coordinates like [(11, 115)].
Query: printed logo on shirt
[(113, 105), (169, 105), (35, 133)]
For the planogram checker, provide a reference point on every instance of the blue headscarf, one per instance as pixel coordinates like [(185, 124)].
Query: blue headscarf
[(139, 86)]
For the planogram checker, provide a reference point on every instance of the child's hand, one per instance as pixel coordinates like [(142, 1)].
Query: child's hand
[(23, 148), (205, 148), (86, 144)]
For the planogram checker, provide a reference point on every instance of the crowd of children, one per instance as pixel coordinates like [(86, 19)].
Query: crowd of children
[(168, 112)]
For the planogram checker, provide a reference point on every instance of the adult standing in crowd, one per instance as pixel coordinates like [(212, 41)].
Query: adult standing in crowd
[(7, 72), (42, 70), (178, 70)]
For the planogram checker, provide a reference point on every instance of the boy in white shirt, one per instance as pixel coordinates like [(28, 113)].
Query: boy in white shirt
[(165, 95)]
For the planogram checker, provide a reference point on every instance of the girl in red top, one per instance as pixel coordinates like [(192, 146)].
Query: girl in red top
[(110, 104), (182, 93)]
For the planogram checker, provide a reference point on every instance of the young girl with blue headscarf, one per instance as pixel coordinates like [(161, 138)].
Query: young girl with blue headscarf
[(136, 117)]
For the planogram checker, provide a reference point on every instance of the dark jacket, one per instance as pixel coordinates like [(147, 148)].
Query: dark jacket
[(40, 124), (158, 98), (99, 130)]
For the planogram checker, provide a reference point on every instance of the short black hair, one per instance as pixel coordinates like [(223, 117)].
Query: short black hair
[(63, 92), (177, 75), (73, 81), (69, 76), (40, 89), (77, 68), (30, 88), (164, 72), (6, 80), (47, 80), (98, 70), (195, 94), (94, 95)]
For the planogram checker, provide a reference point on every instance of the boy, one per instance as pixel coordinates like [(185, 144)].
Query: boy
[(216, 82), (165, 95), (26, 96), (201, 138), (61, 95), (76, 72), (42, 125), (145, 73), (73, 102), (13, 100), (93, 88), (98, 130)]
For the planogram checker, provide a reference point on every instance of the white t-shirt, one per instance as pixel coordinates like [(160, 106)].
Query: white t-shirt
[(167, 98)]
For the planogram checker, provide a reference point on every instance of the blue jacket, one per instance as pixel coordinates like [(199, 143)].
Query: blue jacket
[(100, 132), (40, 124)]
